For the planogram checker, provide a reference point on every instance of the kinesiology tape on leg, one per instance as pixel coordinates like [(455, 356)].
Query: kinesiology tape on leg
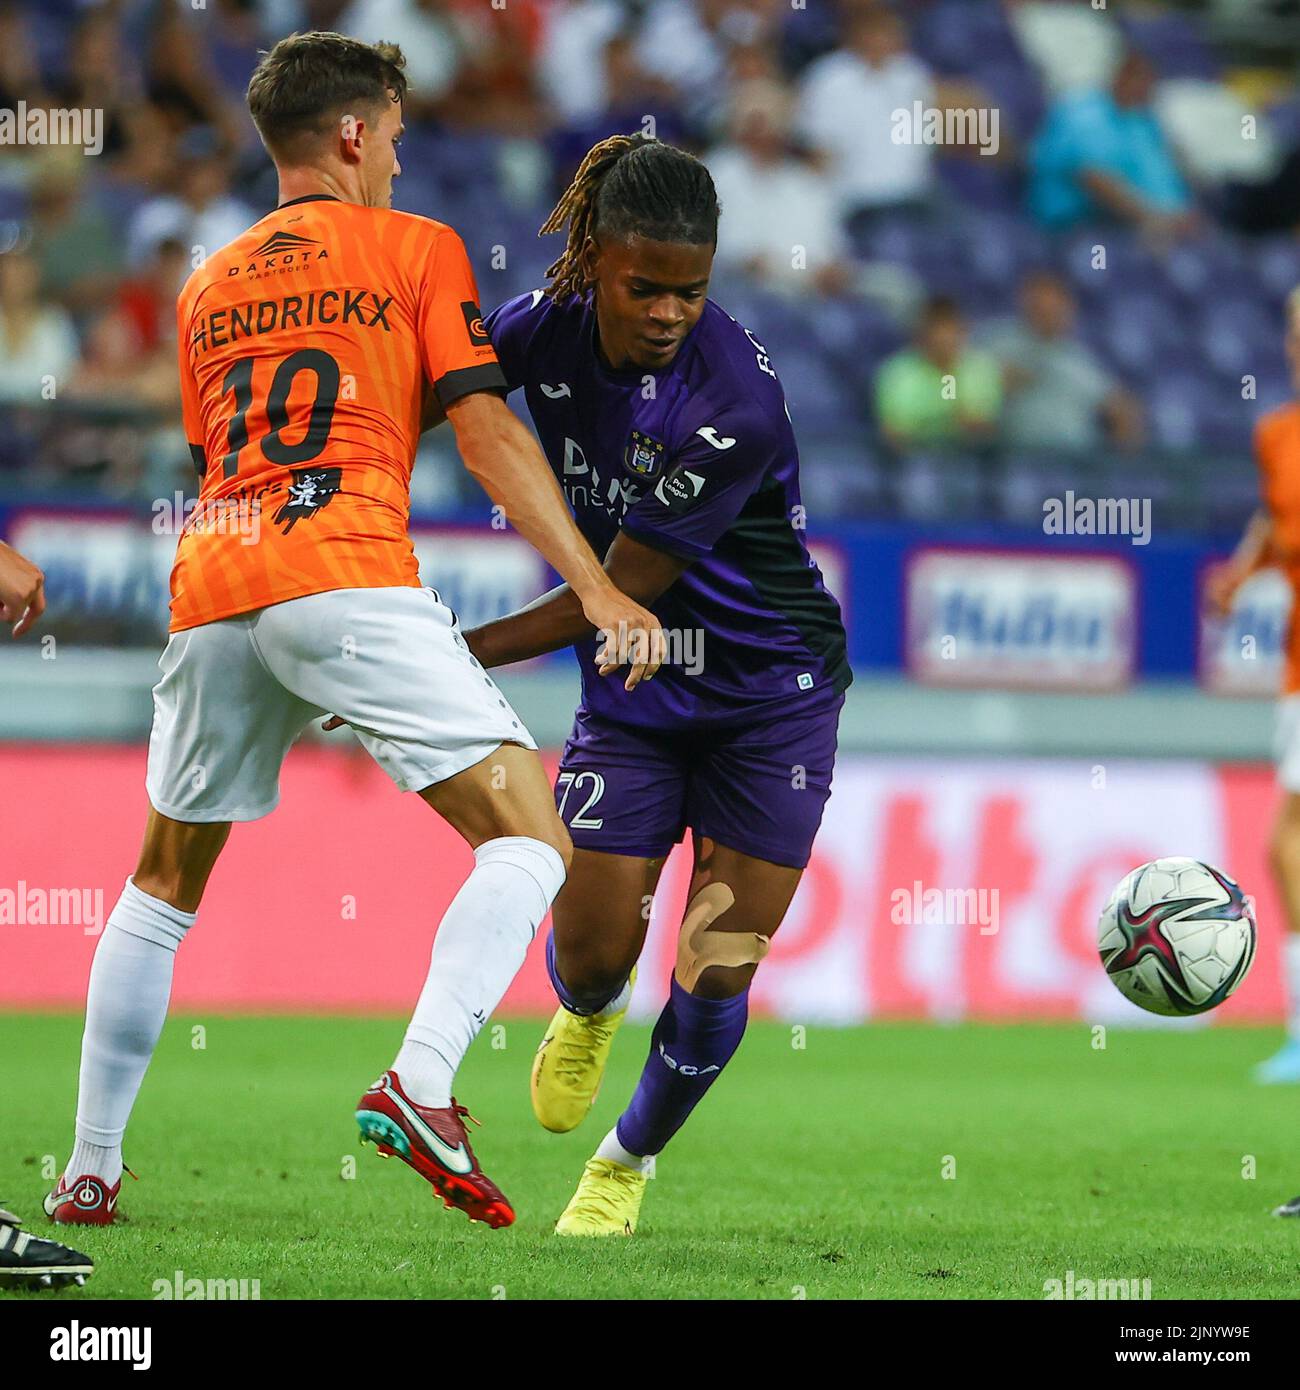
[(699, 947)]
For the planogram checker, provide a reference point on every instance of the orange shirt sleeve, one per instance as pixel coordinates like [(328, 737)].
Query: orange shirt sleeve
[(1271, 484), (455, 349)]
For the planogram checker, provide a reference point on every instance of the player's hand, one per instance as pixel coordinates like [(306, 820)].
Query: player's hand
[(630, 635), (22, 591), (1221, 585), (333, 722)]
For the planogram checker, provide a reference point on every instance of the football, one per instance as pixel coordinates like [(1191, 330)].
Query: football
[(1177, 937)]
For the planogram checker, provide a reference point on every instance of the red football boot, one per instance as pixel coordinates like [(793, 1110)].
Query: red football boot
[(89, 1201), (435, 1144)]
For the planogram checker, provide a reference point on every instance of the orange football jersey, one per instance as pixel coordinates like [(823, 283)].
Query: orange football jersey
[(308, 347), (1277, 452)]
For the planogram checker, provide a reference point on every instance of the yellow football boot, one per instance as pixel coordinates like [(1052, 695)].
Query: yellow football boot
[(607, 1202), (569, 1065)]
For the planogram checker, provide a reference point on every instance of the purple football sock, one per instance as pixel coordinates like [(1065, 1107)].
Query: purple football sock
[(692, 1042), (584, 1004)]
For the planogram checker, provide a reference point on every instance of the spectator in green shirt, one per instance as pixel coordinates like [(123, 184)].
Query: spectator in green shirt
[(940, 391)]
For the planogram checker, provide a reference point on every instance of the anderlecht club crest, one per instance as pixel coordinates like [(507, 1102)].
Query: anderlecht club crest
[(643, 455)]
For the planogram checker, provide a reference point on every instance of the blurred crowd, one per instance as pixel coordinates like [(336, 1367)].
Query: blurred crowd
[(1085, 221)]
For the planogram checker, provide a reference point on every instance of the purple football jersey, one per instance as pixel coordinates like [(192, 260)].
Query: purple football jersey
[(697, 459)]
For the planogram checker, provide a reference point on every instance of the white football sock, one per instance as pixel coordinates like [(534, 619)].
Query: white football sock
[(1291, 969), (479, 947), (612, 1150), (94, 1161), (126, 1005)]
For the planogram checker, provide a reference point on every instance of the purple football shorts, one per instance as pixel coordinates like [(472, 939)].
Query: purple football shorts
[(758, 787)]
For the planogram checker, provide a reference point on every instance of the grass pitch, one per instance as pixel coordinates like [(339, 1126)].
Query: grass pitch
[(815, 1172)]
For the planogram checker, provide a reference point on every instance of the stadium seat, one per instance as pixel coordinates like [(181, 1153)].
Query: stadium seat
[(1275, 263), (1231, 331), (1174, 404), (1284, 121), (955, 36), (1137, 326), (838, 473), (940, 484), (819, 401), (1171, 43), (980, 182), (1192, 268)]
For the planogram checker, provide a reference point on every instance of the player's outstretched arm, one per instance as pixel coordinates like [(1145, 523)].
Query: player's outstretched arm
[(1254, 551), (556, 620), (503, 456), (22, 590)]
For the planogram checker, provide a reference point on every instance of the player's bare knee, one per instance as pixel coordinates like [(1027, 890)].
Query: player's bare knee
[(594, 968)]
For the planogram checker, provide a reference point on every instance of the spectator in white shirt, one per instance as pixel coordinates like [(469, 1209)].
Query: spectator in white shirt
[(38, 346), (780, 221), (846, 114), (690, 43), (571, 69)]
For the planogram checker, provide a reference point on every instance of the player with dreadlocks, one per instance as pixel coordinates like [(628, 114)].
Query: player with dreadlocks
[(666, 425)]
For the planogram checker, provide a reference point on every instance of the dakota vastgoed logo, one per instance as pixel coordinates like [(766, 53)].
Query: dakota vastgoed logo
[(280, 252)]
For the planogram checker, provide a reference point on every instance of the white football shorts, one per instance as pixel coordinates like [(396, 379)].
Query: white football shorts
[(1286, 743), (235, 694)]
